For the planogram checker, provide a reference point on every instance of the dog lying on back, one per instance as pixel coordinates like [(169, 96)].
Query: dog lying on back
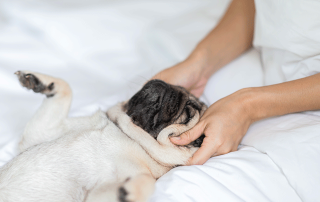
[(110, 156)]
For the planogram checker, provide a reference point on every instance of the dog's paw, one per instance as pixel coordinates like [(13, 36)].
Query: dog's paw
[(138, 189), (33, 82), (122, 193)]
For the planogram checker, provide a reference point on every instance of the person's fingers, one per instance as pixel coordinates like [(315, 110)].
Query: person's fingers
[(235, 148), (202, 155), (188, 136)]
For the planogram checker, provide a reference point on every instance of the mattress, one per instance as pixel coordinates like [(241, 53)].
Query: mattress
[(107, 49)]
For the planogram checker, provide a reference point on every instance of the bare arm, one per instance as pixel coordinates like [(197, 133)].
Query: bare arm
[(231, 37), (288, 97)]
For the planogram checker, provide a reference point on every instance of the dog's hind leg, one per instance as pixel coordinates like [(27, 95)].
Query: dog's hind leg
[(46, 124)]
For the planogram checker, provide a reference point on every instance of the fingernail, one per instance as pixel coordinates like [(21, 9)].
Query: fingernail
[(176, 138)]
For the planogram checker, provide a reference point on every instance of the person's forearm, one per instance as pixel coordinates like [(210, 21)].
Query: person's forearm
[(231, 37), (288, 97)]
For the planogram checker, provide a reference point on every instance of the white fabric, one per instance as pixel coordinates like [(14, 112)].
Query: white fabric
[(287, 33), (293, 144), (245, 175), (288, 25), (107, 49)]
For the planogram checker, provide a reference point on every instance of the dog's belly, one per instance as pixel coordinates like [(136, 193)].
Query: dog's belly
[(66, 168), (61, 170), (34, 177)]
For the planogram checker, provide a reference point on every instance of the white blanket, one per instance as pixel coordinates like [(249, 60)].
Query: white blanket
[(107, 49)]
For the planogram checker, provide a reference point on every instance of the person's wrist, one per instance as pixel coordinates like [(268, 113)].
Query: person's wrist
[(198, 61), (252, 102)]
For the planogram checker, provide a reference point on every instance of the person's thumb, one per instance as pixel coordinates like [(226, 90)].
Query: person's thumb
[(188, 136)]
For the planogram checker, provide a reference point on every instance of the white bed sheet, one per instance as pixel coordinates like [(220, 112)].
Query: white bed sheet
[(245, 175), (107, 49)]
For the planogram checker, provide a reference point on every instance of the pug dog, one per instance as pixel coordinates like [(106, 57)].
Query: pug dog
[(110, 156)]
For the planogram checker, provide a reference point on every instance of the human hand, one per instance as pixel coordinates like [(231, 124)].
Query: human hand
[(224, 125), (189, 74)]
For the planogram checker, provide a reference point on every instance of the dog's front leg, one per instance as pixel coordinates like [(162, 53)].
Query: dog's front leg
[(46, 124), (135, 189)]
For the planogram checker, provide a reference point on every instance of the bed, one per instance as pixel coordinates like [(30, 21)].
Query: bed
[(107, 49)]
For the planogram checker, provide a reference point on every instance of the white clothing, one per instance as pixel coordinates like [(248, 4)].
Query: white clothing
[(287, 32)]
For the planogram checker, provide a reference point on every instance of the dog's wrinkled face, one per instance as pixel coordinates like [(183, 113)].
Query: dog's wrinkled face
[(158, 105)]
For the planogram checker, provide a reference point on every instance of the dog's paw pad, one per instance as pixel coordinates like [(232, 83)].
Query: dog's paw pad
[(30, 81)]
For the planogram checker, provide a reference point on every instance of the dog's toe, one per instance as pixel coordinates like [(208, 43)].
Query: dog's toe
[(31, 81)]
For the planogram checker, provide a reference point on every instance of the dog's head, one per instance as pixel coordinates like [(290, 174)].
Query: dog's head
[(156, 113), (159, 105)]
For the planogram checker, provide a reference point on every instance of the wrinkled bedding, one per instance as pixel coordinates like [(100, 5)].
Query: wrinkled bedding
[(107, 49)]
